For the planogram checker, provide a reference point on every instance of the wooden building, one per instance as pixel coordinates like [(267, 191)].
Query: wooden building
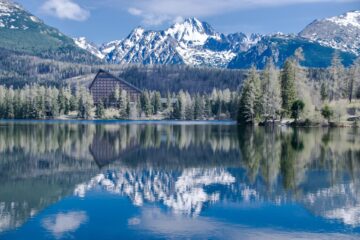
[(103, 87)]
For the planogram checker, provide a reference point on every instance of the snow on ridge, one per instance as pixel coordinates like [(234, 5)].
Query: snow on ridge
[(9, 6), (191, 30), (182, 42), (349, 18), (81, 42)]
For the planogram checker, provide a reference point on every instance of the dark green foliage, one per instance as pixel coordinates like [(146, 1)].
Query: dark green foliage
[(249, 105), (324, 91), (288, 91), (327, 112), (296, 109), (100, 110), (156, 102)]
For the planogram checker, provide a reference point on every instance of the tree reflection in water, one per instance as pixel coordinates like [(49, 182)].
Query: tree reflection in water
[(183, 167)]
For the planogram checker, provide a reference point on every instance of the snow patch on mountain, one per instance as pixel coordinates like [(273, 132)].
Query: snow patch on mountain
[(347, 19), (191, 32), (339, 32), (182, 43), (88, 46), (13, 16)]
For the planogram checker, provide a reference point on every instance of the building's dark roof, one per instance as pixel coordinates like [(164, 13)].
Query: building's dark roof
[(116, 78)]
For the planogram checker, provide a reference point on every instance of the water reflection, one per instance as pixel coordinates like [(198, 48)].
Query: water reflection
[(64, 223), (183, 168)]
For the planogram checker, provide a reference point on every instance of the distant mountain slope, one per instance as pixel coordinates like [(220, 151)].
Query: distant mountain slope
[(340, 32), (89, 46), (22, 32), (280, 47)]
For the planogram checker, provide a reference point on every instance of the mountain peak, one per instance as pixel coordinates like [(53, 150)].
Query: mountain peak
[(351, 18), (339, 32), (137, 31), (191, 30), (6, 5)]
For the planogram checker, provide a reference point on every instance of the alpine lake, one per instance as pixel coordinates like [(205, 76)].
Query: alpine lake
[(177, 180)]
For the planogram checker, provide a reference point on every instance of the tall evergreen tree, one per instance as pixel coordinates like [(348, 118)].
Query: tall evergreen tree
[(156, 102), (353, 79), (198, 107), (337, 86), (86, 104), (122, 105), (100, 110), (271, 94), (288, 91), (250, 98)]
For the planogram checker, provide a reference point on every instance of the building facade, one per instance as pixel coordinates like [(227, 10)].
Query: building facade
[(103, 87)]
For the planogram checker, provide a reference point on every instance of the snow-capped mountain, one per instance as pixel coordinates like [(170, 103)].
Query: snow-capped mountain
[(190, 42), (24, 33), (9, 16), (89, 46), (279, 47), (196, 43), (339, 32)]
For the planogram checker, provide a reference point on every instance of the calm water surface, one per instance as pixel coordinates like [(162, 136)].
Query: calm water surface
[(177, 181)]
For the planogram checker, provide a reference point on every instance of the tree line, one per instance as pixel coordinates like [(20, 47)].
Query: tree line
[(48, 102), (274, 94), (264, 96)]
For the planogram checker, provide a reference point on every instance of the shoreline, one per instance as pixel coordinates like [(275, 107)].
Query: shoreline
[(116, 121), (177, 122)]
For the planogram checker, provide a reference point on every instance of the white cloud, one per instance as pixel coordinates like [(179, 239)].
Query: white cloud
[(155, 12), (65, 9), (135, 11)]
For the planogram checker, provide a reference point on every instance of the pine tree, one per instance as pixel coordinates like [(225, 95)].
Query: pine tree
[(176, 113), (156, 102), (271, 95), (250, 99), (9, 103), (100, 110), (208, 108), (288, 91), (116, 96), (148, 107), (198, 107), (2, 102), (296, 109), (122, 104), (189, 107), (337, 84), (86, 104), (353, 79), (323, 91)]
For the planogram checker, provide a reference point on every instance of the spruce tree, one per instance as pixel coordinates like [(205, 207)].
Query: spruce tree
[(250, 99), (337, 88), (353, 79), (156, 102), (198, 107), (271, 93), (288, 91), (122, 104), (100, 110)]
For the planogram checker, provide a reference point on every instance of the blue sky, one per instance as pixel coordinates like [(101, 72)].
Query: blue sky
[(105, 20)]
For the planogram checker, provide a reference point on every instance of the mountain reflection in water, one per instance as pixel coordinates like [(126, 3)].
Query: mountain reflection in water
[(186, 169)]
